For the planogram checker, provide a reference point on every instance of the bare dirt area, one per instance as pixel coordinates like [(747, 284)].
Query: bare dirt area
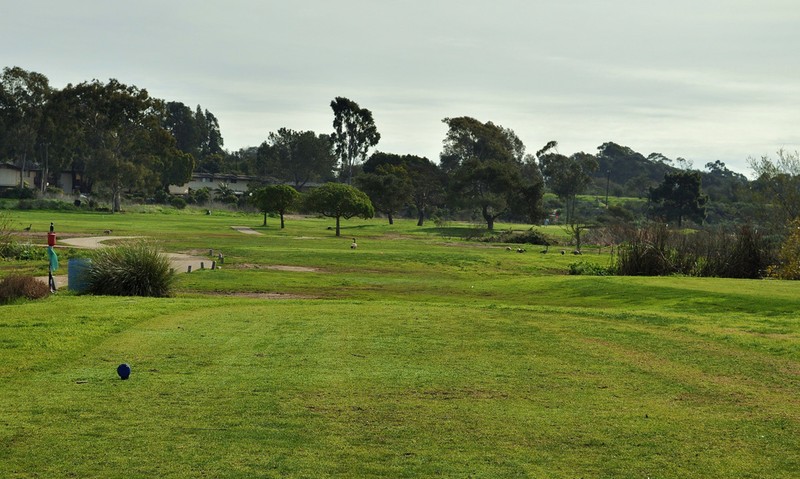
[(278, 267), (246, 230), (270, 296)]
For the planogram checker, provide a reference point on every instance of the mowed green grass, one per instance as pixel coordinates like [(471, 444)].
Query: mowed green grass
[(417, 355)]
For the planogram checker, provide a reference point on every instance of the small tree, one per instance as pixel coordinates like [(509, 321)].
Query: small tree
[(277, 198), (337, 200)]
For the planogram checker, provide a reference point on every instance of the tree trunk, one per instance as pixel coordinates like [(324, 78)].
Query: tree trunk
[(282, 221), (265, 219), (391, 220), (421, 218), (337, 226), (489, 218)]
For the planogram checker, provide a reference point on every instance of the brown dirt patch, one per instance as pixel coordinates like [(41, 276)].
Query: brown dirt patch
[(278, 267), (265, 295)]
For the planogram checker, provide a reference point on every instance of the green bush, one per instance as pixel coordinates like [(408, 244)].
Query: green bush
[(132, 269), (530, 236), (22, 251), (177, 202), (18, 193), (17, 286)]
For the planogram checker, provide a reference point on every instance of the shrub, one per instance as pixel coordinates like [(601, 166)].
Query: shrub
[(177, 202), (530, 236), (16, 286), (788, 265), (133, 269), (17, 192)]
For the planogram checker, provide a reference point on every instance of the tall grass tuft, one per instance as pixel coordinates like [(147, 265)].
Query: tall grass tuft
[(131, 269), (17, 286)]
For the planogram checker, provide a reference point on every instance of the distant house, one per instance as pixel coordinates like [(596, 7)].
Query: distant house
[(212, 181), (10, 175)]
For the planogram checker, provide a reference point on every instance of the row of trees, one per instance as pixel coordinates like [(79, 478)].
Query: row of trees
[(121, 139), (114, 136)]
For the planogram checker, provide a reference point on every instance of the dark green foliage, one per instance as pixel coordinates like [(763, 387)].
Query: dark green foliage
[(336, 200), (18, 192), (388, 187), (484, 162), (520, 237), (679, 197), (275, 199), (16, 287), (567, 177), (133, 269), (177, 202), (354, 134)]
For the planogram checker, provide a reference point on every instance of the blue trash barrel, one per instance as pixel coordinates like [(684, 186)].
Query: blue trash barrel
[(77, 279)]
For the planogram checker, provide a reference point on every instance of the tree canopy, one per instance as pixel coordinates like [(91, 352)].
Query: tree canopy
[(679, 197), (484, 163), (567, 177), (354, 133), (337, 200), (275, 198)]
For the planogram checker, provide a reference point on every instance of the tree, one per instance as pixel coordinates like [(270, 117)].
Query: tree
[(297, 156), (275, 198), (389, 188), (532, 192), (484, 162), (120, 142), (427, 179), (181, 122), (679, 196), (354, 134), (778, 184), (23, 99), (567, 177), (336, 200)]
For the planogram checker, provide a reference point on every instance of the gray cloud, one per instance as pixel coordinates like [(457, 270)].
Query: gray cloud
[(714, 80)]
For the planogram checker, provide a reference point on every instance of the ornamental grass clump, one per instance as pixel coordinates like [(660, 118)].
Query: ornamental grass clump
[(131, 269), (17, 286)]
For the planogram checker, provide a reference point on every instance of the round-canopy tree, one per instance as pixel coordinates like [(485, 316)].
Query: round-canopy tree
[(337, 200), (278, 198)]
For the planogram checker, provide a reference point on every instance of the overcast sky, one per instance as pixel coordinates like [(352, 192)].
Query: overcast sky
[(703, 80)]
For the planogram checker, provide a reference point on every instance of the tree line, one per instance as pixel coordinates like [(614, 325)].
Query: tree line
[(119, 139)]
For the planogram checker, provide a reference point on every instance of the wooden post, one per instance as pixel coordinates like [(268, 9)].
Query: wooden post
[(189, 269)]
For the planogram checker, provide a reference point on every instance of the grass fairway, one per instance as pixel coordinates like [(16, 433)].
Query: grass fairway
[(417, 355)]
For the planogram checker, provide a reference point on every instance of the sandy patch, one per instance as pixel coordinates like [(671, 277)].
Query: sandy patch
[(246, 230), (278, 267), (265, 295)]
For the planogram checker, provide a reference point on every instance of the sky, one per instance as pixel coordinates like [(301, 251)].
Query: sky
[(701, 80)]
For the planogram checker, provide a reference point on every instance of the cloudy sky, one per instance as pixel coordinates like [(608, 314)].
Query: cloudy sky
[(703, 80)]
